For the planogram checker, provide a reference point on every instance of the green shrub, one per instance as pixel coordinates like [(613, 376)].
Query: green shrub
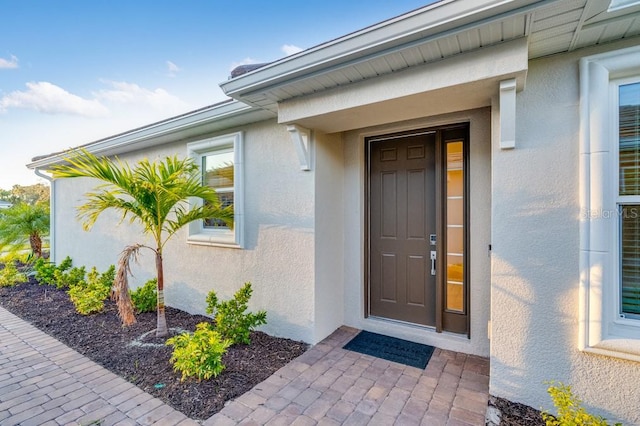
[(10, 276), (88, 295), (45, 270), (230, 318), (198, 354), (68, 279), (570, 409), (145, 298)]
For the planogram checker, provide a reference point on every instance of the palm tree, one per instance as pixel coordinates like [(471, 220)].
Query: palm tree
[(24, 223), (153, 194)]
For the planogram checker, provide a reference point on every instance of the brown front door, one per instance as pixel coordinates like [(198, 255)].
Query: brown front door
[(402, 201), (418, 228)]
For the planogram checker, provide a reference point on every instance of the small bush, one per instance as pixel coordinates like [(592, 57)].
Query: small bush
[(570, 409), (68, 279), (45, 270), (145, 298), (88, 295), (199, 354), (10, 276), (230, 318)]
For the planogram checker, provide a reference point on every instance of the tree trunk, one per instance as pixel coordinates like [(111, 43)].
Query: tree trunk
[(161, 330), (36, 244)]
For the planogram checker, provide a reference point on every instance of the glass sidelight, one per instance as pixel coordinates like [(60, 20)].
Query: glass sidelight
[(455, 227)]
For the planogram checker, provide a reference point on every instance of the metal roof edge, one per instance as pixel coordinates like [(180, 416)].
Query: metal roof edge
[(209, 114)]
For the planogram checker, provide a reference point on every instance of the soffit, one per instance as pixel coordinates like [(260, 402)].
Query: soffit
[(551, 26), (573, 24)]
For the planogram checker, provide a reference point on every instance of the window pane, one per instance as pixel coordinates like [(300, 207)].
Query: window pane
[(226, 199), (219, 174), (630, 259), (219, 169), (454, 293), (629, 110)]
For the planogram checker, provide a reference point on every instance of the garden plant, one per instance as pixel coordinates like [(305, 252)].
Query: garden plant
[(23, 224), (570, 409), (152, 194)]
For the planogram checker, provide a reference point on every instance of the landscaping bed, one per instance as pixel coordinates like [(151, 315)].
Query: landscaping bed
[(135, 354)]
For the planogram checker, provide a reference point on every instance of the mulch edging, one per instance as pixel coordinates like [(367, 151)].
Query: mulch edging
[(102, 338)]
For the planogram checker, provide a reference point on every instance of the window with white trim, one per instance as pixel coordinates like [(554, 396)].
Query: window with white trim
[(626, 94), (221, 164), (610, 203)]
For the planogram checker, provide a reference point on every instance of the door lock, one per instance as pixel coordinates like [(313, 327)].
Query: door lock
[(433, 262)]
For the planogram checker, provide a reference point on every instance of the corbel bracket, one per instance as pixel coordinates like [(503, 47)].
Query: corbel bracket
[(301, 138), (508, 114)]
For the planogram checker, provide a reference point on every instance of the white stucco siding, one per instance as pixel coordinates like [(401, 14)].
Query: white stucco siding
[(329, 234), (279, 237), (535, 260), (480, 230), (101, 245)]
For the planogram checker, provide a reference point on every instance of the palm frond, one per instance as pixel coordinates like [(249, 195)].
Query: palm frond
[(21, 222), (199, 213), (121, 284)]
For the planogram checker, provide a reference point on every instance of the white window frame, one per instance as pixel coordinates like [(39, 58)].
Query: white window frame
[(601, 328), (200, 235)]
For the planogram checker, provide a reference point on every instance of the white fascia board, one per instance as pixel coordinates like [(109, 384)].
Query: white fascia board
[(153, 134), (438, 19)]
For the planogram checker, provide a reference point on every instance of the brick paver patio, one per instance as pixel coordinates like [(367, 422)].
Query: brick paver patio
[(43, 382), (328, 385)]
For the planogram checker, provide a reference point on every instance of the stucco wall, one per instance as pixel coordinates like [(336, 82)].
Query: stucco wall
[(480, 229), (279, 241), (329, 234), (535, 240)]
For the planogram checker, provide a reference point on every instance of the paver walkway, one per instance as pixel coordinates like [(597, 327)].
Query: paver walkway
[(43, 382), (328, 385)]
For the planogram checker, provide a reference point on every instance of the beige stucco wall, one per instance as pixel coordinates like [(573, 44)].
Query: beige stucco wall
[(329, 234), (535, 271), (278, 257), (480, 226)]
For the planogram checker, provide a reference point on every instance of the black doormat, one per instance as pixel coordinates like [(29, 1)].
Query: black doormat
[(391, 349)]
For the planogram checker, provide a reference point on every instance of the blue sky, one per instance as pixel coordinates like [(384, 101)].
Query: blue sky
[(75, 71)]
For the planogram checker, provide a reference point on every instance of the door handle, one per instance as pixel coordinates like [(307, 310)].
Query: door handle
[(433, 262)]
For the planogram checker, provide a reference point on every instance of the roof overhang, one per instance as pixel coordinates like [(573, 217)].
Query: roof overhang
[(459, 83), (426, 35), (432, 34), (207, 120)]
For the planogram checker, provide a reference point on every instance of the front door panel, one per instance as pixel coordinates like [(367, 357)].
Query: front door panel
[(402, 202)]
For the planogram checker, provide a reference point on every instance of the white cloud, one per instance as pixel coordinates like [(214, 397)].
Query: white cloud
[(48, 98), (122, 92), (9, 63), (173, 69), (245, 61), (290, 49)]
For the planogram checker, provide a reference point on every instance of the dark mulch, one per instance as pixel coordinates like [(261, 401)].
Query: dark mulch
[(515, 414), (102, 338)]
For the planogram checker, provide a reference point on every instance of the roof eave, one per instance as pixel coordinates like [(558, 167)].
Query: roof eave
[(161, 132), (440, 17)]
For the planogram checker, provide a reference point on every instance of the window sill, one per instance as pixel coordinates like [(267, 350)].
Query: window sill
[(627, 349), (213, 240)]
